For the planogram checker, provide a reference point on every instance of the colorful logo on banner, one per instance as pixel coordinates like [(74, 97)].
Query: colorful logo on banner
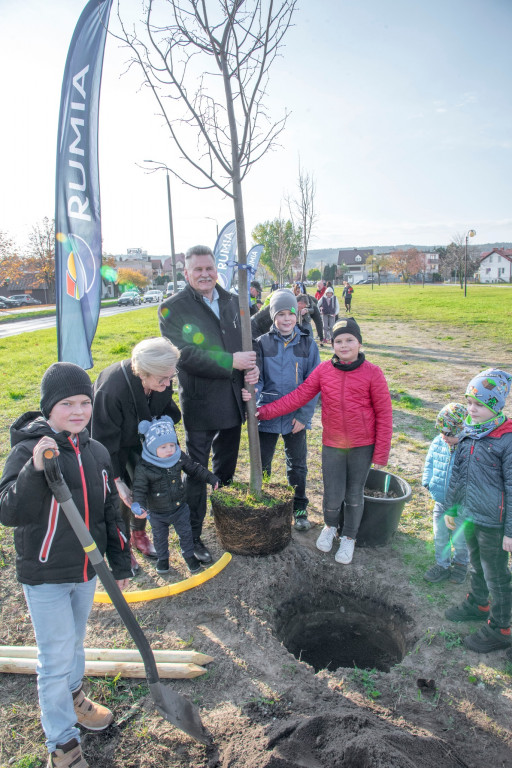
[(80, 267)]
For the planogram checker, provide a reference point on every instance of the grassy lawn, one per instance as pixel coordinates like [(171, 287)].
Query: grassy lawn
[(484, 306)]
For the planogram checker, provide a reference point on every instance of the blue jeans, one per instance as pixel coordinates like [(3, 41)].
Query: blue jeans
[(296, 452), (59, 614), (444, 539), (344, 474)]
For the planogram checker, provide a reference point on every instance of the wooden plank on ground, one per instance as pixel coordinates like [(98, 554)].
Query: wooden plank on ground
[(114, 654), (176, 671)]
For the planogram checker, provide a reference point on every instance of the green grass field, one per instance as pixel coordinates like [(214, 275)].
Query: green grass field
[(485, 306)]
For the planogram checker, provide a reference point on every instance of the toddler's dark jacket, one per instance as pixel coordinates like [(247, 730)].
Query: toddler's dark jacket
[(480, 487), (161, 489), (47, 549)]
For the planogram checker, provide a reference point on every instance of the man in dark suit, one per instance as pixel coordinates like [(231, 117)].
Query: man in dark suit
[(203, 321)]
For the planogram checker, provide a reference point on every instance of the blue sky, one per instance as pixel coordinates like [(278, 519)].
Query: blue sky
[(401, 110)]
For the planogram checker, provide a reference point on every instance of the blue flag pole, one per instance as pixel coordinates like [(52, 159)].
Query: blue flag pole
[(77, 189)]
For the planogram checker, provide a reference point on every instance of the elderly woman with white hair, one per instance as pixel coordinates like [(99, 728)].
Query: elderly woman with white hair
[(126, 393)]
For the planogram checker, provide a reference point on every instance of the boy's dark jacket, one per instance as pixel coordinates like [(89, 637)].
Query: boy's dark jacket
[(47, 549), (161, 489), (481, 483)]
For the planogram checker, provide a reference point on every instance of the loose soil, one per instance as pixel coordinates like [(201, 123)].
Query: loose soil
[(316, 664)]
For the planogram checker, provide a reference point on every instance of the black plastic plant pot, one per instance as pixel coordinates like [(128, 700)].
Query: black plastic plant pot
[(381, 516)]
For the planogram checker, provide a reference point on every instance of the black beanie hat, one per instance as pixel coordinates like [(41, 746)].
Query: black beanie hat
[(347, 325), (63, 380)]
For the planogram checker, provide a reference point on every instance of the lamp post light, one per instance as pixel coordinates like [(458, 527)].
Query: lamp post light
[(469, 233), (216, 223), (171, 230)]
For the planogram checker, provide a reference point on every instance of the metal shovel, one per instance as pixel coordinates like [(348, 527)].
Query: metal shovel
[(172, 706)]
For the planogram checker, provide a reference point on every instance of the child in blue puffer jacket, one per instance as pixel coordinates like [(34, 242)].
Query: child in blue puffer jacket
[(436, 477)]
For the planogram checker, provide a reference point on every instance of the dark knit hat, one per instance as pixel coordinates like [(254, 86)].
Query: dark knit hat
[(157, 432), (281, 300), (347, 325), (63, 380)]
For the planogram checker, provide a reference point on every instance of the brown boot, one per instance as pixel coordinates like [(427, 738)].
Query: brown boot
[(94, 717), (67, 755), (143, 543)]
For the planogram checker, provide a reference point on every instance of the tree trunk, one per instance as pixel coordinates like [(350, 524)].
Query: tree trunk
[(256, 472)]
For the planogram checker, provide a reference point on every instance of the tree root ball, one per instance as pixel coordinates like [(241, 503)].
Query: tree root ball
[(250, 525)]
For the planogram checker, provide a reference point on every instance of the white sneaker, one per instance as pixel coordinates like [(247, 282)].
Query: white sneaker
[(325, 540), (346, 551)]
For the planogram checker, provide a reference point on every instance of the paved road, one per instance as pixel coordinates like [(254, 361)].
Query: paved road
[(40, 324)]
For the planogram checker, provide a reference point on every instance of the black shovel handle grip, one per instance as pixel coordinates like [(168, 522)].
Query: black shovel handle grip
[(62, 494)]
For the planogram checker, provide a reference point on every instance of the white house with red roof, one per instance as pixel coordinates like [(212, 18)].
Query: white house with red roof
[(496, 266)]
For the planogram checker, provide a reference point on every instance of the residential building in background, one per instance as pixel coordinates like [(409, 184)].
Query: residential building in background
[(496, 266)]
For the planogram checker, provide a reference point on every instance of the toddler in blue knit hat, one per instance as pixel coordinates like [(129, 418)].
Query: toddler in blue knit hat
[(158, 489)]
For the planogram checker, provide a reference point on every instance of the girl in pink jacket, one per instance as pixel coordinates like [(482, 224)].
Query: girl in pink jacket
[(357, 427)]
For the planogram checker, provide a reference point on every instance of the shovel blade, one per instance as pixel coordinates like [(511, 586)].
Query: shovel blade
[(179, 711)]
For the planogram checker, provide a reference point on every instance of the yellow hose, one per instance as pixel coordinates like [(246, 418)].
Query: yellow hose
[(170, 589)]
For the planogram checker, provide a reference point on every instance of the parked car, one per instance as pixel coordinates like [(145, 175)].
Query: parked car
[(24, 299), (8, 303), (368, 281), (154, 295), (129, 297)]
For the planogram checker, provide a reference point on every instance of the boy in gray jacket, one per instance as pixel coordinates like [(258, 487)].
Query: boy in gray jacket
[(480, 492)]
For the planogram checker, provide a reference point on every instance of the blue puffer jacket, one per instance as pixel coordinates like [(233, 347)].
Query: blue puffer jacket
[(283, 366), (481, 483), (438, 469)]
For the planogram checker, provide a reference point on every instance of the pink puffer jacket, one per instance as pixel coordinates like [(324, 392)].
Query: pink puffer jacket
[(356, 407)]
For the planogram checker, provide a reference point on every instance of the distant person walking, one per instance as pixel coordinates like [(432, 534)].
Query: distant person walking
[(320, 289), (347, 295), (328, 307)]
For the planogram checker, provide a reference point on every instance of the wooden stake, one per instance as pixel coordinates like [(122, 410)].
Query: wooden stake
[(27, 666), (113, 654)]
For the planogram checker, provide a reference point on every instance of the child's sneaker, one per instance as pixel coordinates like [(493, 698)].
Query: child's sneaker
[(458, 573), (488, 639), (301, 520), (94, 717), (162, 566), (346, 551), (467, 611), (68, 755), (437, 573), (193, 564), (326, 539)]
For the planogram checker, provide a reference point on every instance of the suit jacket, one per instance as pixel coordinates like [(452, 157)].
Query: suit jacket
[(210, 389)]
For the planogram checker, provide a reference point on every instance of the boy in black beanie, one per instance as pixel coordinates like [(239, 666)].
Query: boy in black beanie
[(57, 578)]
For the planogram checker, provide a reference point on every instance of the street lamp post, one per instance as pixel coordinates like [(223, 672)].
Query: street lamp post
[(469, 233), (216, 224), (171, 229)]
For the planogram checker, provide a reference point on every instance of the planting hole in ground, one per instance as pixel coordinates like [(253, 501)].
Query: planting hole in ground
[(330, 630)]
